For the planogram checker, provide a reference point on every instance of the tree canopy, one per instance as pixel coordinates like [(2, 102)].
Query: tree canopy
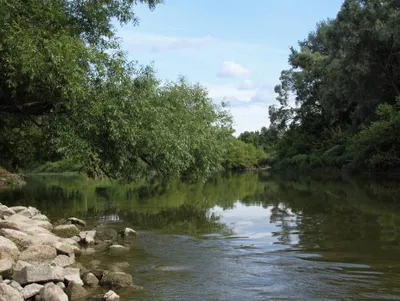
[(68, 91)]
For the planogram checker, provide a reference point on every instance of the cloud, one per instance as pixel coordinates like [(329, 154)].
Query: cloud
[(250, 117), (162, 43), (232, 69), (246, 85), (230, 92)]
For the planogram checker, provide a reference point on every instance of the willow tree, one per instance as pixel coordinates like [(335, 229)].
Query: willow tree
[(66, 90)]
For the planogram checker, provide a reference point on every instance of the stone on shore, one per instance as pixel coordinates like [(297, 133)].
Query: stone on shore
[(20, 265), (39, 239), (128, 232), (52, 292), (7, 293), (40, 217), (9, 247), (6, 267), (105, 234), (87, 237), (31, 290), (75, 291), (63, 248), (73, 274), (116, 280), (110, 296), (90, 280), (66, 231), (117, 249), (18, 209), (14, 235), (76, 221), (38, 254), (63, 260), (39, 273), (5, 212)]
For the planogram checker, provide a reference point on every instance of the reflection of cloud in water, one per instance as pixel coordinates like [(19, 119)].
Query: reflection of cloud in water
[(110, 218)]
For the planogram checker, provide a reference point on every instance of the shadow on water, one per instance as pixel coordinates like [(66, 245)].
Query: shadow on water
[(242, 236)]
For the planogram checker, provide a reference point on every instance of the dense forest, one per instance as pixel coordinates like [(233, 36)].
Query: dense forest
[(70, 99), (339, 103)]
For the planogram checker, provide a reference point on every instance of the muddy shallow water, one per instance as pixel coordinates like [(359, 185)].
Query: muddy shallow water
[(240, 237)]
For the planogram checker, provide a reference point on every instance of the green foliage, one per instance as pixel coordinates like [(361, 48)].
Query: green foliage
[(242, 155), (68, 92), (57, 167), (264, 139), (344, 79)]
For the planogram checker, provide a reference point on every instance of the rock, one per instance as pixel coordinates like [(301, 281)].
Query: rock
[(63, 260), (9, 247), (73, 274), (70, 241), (9, 225), (98, 273), (29, 212), (6, 267), (31, 290), (117, 266), (7, 293), (15, 285), (63, 248), (6, 212), (110, 296), (90, 280), (18, 208), (38, 254), (116, 280), (87, 237), (39, 273), (61, 285), (128, 232), (76, 238), (117, 249), (20, 265), (94, 264), (40, 239), (61, 221), (4, 255), (88, 251), (38, 298), (75, 291), (14, 235), (41, 217), (52, 292), (80, 267), (104, 234), (66, 231), (76, 221), (44, 224)]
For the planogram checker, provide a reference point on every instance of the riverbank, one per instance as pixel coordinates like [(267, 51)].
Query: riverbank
[(8, 178), (40, 260)]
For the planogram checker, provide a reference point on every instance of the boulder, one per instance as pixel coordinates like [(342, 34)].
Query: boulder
[(31, 290), (18, 208), (39, 239), (51, 292), (39, 273), (29, 212), (4, 255), (128, 232), (90, 280), (63, 260), (75, 291), (40, 217), (6, 267), (38, 254), (105, 234), (7, 293), (61, 285), (76, 221), (117, 249), (110, 296), (5, 212), (63, 248), (20, 265), (98, 273), (66, 231), (15, 285), (73, 274), (9, 225), (116, 280), (87, 237), (9, 247), (14, 235), (71, 241)]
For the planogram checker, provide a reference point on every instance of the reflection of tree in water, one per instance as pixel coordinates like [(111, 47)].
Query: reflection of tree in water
[(281, 216)]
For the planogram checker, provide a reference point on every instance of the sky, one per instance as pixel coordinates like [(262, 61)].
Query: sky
[(235, 49)]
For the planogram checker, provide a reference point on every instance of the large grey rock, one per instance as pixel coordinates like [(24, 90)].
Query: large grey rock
[(40, 217), (38, 254), (20, 265), (116, 280), (76, 221), (73, 274), (75, 291), (5, 212), (63, 248), (9, 225), (7, 293), (31, 290), (128, 232), (39, 273), (29, 212), (105, 234), (9, 247), (90, 280), (118, 249), (52, 292), (14, 235), (87, 237), (6, 267), (66, 231), (15, 285), (18, 208), (63, 260), (39, 239), (110, 296)]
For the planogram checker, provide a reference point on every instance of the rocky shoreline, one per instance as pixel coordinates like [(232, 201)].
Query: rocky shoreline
[(39, 261)]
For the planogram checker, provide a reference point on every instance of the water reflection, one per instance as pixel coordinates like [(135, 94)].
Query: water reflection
[(243, 236)]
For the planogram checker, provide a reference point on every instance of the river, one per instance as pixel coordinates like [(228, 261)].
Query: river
[(240, 237)]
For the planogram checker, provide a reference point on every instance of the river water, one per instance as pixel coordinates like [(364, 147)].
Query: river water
[(240, 237)]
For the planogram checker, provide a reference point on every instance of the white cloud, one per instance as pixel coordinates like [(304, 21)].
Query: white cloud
[(229, 92), (161, 43), (232, 69), (250, 118), (246, 85)]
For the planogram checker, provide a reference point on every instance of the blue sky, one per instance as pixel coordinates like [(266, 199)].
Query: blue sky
[(233, 48)]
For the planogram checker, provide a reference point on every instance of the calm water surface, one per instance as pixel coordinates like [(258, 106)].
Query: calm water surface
[(241, 237)]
